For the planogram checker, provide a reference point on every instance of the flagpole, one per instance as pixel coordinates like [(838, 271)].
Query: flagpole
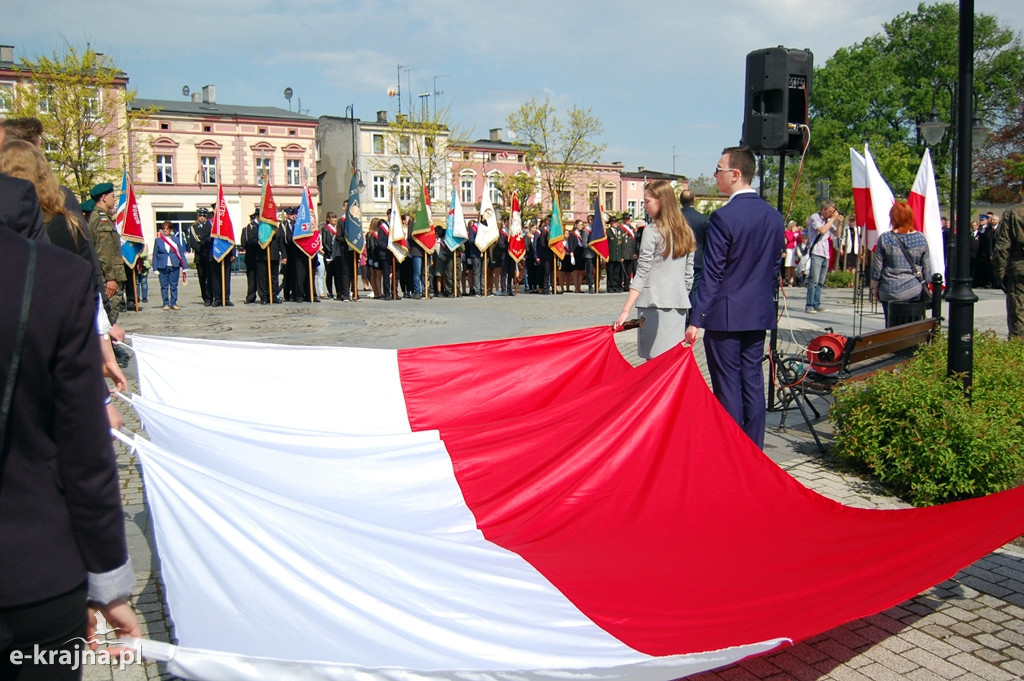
[(223, 284), (426, 274), (355, 276), (455, 268), (597, 275), (394, 276), (269, 274), (135, 290), (487, 277), (312, 291)]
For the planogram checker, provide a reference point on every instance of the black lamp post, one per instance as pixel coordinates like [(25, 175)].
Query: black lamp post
[(960, 296)]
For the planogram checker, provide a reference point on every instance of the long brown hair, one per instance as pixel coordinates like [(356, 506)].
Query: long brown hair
[(678, 236), (19, 158)]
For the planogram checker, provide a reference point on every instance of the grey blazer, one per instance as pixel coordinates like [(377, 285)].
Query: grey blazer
[(663, 283)]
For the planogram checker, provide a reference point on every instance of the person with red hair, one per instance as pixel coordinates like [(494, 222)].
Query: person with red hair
[(901, 262)]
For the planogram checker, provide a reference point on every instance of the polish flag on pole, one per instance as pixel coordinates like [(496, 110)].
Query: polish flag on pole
[(881, 200), (924, 200), (861, 197), (516, 242)]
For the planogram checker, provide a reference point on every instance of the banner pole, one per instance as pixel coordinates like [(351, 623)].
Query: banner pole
[(223, 284), (270, 276), (355, 275), (135, 289)]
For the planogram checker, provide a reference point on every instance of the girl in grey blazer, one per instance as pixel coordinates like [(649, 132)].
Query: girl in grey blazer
[(660, 290)]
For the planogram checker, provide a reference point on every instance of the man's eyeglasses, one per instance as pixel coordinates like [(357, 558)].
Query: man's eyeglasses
[(719, 169)]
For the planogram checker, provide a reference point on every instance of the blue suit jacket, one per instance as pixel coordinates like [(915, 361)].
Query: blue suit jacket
[(742, 261)]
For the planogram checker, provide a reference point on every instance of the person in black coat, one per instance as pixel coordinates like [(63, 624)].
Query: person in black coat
[(698, 222), (62, 538)]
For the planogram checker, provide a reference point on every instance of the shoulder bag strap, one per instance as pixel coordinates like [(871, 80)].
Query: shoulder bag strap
[(19, 342), (906, 254)]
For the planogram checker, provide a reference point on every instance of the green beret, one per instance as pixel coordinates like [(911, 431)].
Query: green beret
[(88, 206), (101, 189)]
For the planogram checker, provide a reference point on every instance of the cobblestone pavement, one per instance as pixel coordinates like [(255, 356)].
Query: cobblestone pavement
[(968, 627)]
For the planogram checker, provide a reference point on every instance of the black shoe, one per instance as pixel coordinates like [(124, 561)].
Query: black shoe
[(214, 304), (264, 302), (278, 301), (250, 302), (229, 304), (145, 300), (207, 303)]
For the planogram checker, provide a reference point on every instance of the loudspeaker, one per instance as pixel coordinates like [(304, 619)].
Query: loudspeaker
[(777, 96)]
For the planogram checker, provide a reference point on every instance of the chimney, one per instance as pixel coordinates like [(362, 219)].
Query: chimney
[(495, 134), (7, 53), (640, 169), (196, 98), (382, 117), (209, 94)]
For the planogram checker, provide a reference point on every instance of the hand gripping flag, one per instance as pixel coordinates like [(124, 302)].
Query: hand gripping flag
[(487, 226), (267, 216), (354, 217), (422, 229), (556, 237), (516, 242), (132, 242), (310, 243), (456, 233), (924, 200), (598, 237), (223, 231), (881, 200), (396, 231)]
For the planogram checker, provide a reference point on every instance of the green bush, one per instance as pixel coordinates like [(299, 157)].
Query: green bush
[(915, 431), (839, 279)]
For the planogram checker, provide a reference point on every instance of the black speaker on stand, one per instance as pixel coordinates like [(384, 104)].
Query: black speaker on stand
[(776, 102)]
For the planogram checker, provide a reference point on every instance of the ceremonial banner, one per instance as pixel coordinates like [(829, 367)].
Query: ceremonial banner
[(305, 222), (487, 226), (309, 246), (396, 231), (422, 229), (516, 242), (881, 200), (122, 203), (130, 224), (924, 200), (598, 237), (223, 232), (861, 197), (267, 216), (456, 232), (354, 217), (556, 237), (400, 543)]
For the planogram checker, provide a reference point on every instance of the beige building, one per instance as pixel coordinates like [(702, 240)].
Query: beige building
[(190, 146)]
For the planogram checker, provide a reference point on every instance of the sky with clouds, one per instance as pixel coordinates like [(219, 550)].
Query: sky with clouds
[(666, 78)]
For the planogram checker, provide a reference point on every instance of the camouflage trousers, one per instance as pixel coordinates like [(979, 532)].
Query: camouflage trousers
[(1014, 284)]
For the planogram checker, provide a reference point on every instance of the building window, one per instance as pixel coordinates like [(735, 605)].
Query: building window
[(428, 142), (405, 189), (263, 131), (466, 189), (404, 145), (209, 169), (207, 128), (494, 189), (492, 156), (292, 132), (631, 207), (262, 169), (164, 169), (294, 174), (565, 199), (380, 188), (378, 143), (591, 198), (465, 156), (6, 96), (91, 104), (519, 157), (609, 200), (165, 126)]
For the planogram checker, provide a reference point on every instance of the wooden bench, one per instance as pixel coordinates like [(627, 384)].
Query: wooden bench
[(861, 357)]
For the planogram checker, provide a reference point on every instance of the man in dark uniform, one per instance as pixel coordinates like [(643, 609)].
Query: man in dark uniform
[(1008, 266), (615, 265), (251, 243), (220, 277), (268, 269), (199, 242), (341, 260)]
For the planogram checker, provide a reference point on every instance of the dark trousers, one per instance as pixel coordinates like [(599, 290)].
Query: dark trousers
[(262, 279), (251, 268), (614, 276), (340, 270), (734, 364), (220, 281), (54, 624), (129, 287), (508, 275), (203, 275)]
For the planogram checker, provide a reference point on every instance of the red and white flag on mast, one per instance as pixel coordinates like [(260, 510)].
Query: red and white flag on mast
[(881, 200), (924, 200)]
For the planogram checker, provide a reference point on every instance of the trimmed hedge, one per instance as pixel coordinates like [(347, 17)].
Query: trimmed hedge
[(916, 432)]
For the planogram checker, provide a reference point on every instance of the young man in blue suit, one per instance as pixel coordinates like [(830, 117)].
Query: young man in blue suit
[(735, 303)]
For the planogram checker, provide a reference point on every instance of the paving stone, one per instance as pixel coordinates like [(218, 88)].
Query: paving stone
[(934, 663), (980, 667)]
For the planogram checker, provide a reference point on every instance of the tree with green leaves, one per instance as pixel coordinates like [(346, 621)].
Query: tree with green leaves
[(560, 150), (419, 147), (82, 100), (880, 90)]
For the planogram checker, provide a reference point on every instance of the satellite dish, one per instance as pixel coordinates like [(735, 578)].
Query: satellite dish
[(184, 91), (288, 93)]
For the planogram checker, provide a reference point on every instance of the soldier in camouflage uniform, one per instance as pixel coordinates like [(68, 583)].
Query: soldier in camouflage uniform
[(107, 243), (1008, 266)]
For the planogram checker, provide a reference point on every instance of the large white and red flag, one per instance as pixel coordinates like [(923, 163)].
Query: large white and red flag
[(924, 200), (397, 243), (881, 200), (402, 541), (861, 196)]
